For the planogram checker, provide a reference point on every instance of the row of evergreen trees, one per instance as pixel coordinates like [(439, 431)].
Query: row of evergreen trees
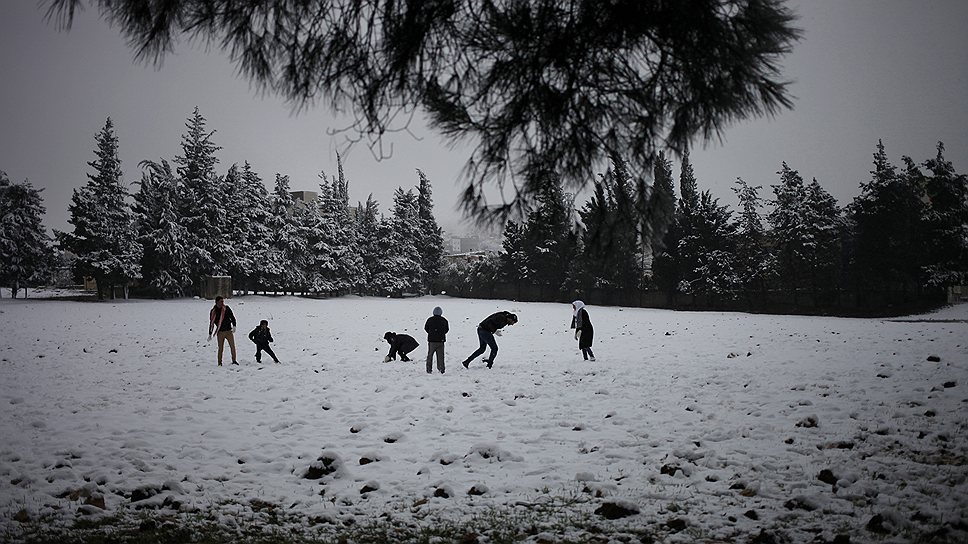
[(188, 222), (904, 235)]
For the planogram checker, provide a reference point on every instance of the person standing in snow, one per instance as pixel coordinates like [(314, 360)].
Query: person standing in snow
[(485, 333), (221, 320), (436, 328), (584, 332), (261, 337), (402, 343)]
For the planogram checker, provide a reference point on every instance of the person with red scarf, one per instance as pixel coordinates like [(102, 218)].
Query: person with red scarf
[(222, 321)]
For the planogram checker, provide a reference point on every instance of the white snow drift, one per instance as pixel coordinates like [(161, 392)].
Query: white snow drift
[(727, 423)]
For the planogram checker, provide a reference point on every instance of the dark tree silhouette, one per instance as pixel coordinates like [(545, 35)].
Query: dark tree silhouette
[(537, 85)]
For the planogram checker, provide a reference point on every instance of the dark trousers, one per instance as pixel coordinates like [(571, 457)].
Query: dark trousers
[(432, 349), (259, 348), (487, 340)]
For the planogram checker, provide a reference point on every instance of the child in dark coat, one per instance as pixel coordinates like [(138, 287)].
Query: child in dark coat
[(584, 332), (436, 328), (261, 337), (402, 343)]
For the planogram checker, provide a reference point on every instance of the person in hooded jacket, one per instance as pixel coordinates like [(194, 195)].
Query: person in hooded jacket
[(485, 333), (584, 332), (399, 343), (261, 336), (437, 329)]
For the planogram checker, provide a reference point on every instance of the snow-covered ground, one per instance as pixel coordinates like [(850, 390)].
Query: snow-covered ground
[(709, 425)]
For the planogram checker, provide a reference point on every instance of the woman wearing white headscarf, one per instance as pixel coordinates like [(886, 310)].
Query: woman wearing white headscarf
[(584, 332)]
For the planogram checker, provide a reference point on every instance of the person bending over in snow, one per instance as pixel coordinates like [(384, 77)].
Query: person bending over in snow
[(222, 321), (485, 333), (403, 343), (261, 337), (584, 332), (436, 328)]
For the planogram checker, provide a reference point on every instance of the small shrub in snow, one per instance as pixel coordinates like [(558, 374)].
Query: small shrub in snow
[(617, 510), (326, 464)]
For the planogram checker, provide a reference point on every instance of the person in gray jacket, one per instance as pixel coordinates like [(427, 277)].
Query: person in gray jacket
[(437, 329)]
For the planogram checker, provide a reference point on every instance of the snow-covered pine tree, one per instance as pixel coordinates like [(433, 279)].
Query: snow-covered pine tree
[(908, 225), (398, 271), (946, 223), (200, 206), (873, 213), (754, 263), (550, 244), (24, 246), (688, 186), (319, 230), (710, 243), (514, 260), (626, 261), (393, 273), (349, 260), (596, 221), (674, 268), (612, 251), (338, 261), (164, 265), (231, 253), (284, 268), (824, 233), (430, 244), (367, 247), (789, 230), (663, 205), (104, 238), (248, 222)]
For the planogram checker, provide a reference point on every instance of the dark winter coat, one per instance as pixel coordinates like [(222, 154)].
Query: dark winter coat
[(436, 328), (402, 343), (228, 320), (495, 321), (582, 323), (261, 336)]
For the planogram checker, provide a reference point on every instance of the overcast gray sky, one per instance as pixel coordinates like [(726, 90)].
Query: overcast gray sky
[(866, 69)]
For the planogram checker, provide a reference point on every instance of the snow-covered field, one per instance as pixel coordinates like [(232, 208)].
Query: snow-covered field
[(708, 425)]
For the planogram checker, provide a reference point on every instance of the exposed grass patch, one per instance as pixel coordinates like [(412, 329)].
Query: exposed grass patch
[(551, 522)]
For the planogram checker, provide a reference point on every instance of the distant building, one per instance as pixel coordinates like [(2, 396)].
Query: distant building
[(471, 256), (303, 199), (458, 244)]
